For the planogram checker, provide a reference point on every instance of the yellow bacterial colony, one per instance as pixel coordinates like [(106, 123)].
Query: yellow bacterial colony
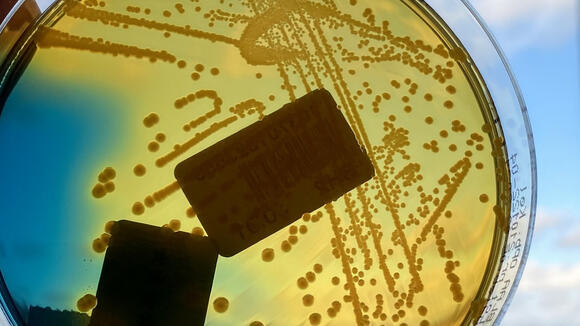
[(416, 245)]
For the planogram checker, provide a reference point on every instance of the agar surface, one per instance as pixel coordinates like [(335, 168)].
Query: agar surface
[(407, 101)]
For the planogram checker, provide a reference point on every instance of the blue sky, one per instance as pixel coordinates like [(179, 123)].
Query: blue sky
[(541, 41)]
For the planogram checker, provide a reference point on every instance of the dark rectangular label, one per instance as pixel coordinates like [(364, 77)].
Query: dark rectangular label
[(154, 276), (264, 177)]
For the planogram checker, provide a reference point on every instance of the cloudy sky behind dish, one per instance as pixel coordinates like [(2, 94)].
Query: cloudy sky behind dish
[(541, 39)]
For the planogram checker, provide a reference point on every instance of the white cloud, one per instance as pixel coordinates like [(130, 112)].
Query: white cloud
[(565, 224), (505, 12), (540, 277), (557, 230), (546, 219), (43, 4), (522, 24), (547, 295), (571, 238)]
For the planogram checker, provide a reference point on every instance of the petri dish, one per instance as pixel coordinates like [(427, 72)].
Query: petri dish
[(102, 99)]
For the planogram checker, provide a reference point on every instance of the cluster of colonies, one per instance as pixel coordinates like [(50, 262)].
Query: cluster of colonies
[(105, 183)]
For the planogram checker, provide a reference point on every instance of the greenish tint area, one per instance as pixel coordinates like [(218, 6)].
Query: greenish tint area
[(50, 131)]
